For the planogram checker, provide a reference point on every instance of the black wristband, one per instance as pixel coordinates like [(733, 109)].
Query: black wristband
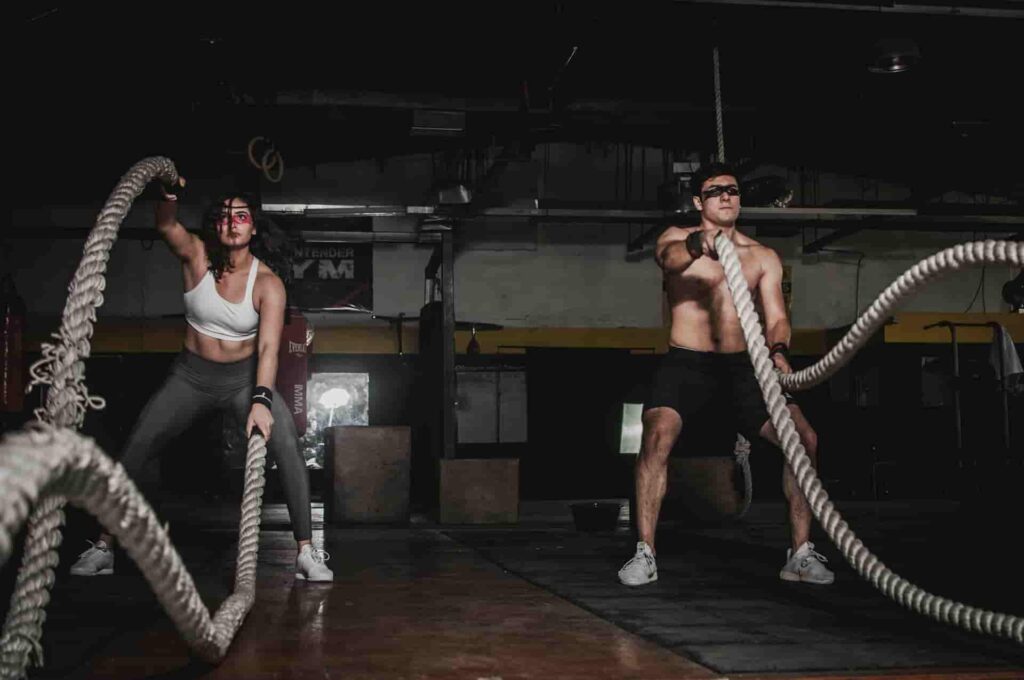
[(779, 348), (263, 395), (693, 245)]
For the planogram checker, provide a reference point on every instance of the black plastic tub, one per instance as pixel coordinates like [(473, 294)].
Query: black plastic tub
[(596, 515)]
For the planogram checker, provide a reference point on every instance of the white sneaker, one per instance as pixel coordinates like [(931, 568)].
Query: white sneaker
[(806, 566), (641, 569), (96, 561), (309, 565)]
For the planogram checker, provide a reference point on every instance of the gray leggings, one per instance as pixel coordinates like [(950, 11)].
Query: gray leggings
[(195, 387)]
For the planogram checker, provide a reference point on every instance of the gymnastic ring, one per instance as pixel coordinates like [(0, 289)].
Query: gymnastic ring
[(252, 150), (278, 162), (273, 156)]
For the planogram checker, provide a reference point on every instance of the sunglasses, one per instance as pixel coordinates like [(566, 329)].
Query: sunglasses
[(716, 190)]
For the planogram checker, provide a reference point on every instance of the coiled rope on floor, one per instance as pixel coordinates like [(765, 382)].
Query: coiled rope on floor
[(48, 464), (741, 453), (853, 550)]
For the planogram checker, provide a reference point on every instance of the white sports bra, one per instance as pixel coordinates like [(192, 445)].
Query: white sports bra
[(212, 315)]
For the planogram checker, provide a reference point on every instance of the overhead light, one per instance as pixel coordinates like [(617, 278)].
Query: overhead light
[(893, 55)]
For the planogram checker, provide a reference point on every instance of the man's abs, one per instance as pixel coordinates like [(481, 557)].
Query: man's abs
[(703, 313), (705, 330)]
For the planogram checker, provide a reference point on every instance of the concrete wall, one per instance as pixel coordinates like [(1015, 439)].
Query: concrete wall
[(518, 273)]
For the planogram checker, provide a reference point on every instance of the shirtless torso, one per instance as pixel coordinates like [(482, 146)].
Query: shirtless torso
[(703, 314)]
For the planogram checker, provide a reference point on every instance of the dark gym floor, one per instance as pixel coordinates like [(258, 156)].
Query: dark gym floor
[(540, 599)]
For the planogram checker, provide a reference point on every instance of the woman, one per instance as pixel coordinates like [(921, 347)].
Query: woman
[(234, 308)]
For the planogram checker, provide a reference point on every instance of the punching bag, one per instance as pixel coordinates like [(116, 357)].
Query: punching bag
[(292, 367), (12, 374)]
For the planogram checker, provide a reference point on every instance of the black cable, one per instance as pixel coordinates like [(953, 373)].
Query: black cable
[(977, 290), (981, 284)]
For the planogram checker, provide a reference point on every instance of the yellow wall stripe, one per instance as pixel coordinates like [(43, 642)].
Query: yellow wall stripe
[(166, 335)]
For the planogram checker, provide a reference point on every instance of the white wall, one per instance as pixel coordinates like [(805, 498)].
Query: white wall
[(516, 273)]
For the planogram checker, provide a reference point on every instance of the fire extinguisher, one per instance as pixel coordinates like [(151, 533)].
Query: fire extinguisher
[(12, 373)]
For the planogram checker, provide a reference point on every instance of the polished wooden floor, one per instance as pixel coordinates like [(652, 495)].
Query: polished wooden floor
[(409, 602), (406, 604)]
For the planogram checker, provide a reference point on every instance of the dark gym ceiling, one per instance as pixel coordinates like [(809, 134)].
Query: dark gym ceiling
[(99, 85)]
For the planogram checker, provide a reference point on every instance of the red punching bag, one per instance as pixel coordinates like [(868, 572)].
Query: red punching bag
[(12, 373), (292, 366)]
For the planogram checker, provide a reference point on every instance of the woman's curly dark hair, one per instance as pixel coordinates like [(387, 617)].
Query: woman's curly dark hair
[(269, 244)]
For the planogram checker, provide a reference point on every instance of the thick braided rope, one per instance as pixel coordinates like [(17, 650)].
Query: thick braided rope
[(719, 126), (975, 252), (853, 550), (46, 461), (62, 368), (741, 452)]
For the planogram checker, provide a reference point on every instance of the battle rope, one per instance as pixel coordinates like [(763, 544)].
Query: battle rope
[(61, 467), (741, 452), (854, 551)]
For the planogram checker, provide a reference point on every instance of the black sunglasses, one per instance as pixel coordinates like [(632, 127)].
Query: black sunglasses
[(716, 190)]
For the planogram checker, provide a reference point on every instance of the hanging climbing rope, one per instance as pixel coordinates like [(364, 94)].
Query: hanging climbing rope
[(719, 126), (853, 550), (741, 450), (48, 464)]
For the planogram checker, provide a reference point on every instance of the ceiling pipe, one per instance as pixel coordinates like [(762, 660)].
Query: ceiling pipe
[(995, 9)]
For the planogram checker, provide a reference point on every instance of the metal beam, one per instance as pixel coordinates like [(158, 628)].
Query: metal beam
[(990, 9), (137, 234), (816, 245), (369, 237), (907, 219), (425, 100), (866, 218), (642, 240)]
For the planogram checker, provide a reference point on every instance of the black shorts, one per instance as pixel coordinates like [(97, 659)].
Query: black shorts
[(689, 381)]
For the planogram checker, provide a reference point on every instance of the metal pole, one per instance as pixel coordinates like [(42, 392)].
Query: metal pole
[(497, 405), (401, 324), (998, 335), (956, 389), (448, 344)]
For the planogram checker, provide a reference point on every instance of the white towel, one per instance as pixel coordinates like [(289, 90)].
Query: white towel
[(1010, 364)]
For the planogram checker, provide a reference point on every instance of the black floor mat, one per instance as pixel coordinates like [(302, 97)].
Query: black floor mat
[(721, 603)]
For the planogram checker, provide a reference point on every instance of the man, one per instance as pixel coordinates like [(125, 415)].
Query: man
[(707, 362)]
